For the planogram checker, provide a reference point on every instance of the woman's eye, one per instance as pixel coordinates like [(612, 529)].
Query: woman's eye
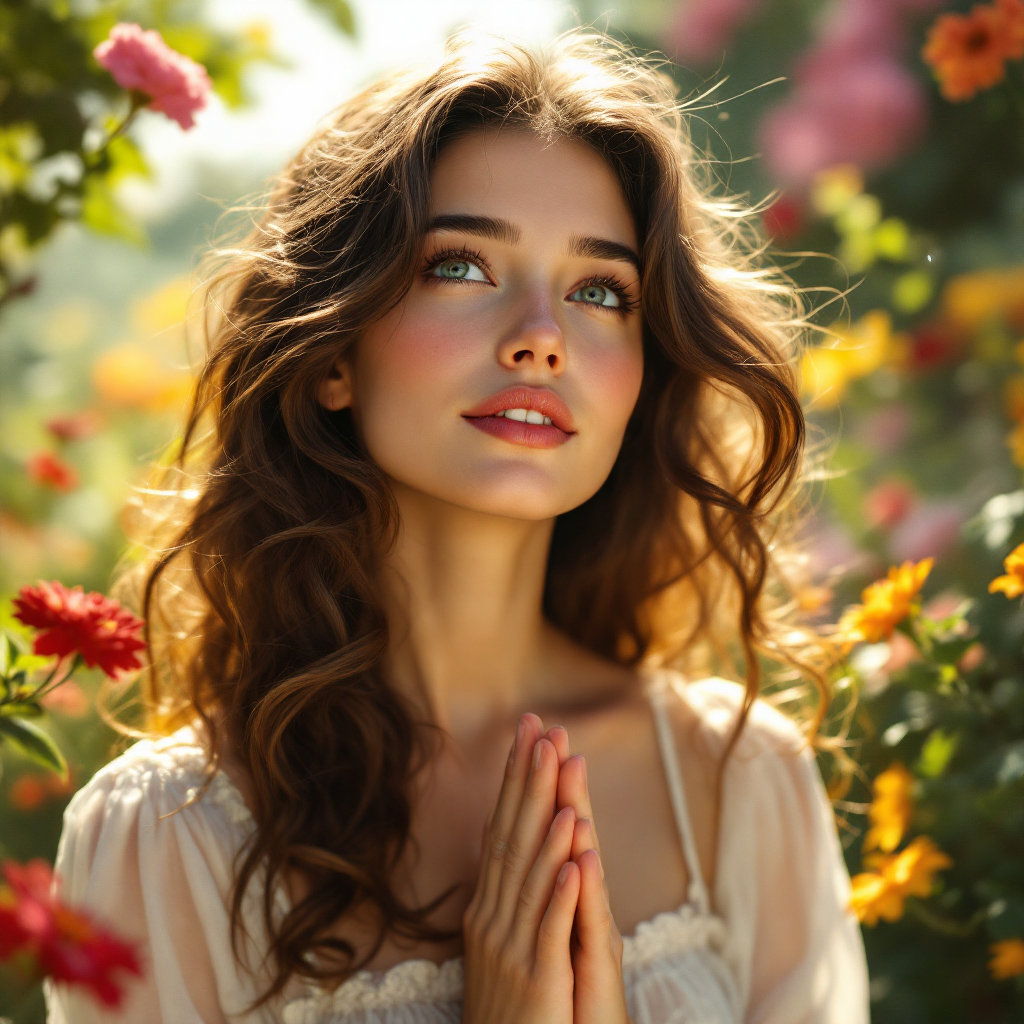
[(595, 295), (459, 270)]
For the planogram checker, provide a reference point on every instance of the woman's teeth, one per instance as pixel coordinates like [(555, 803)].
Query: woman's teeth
[(525, 416)]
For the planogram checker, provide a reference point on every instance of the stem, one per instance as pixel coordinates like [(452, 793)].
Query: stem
[(942, 924), (47, 686), (139, 100)]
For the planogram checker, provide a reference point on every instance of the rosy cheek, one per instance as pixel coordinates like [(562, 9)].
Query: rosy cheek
[(614, 375)]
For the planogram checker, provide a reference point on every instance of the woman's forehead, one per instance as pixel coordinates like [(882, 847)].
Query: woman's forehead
[(543, 187)]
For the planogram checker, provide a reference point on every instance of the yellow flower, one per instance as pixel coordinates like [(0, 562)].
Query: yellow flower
[(1015, 442), (1012, 584), (1007, 958), (856, 351), (881, 892), (890, 809), (834, 188), (971, 299), (886, 604)]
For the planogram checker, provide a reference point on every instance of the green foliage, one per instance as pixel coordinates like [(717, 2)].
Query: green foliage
[(58, 108)]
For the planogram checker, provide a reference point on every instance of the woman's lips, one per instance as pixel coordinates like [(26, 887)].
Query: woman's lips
[(491, 416)]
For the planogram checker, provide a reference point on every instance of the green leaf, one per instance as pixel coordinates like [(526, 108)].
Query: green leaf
[(21, 709), (34, 743), (101, 212), (936, 753), (339, 12)]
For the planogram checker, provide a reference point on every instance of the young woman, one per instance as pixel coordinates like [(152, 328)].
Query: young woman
[(494, 422)]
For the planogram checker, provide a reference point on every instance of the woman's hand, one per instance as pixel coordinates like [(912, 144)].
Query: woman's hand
[(600, 996), (518, 925)]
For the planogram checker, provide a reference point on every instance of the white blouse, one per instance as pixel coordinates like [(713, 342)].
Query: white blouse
[(779, 947)]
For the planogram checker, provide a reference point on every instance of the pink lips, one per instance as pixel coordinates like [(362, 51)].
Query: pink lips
[(531, 435)]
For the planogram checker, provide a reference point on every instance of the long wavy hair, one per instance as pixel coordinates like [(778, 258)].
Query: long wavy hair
[(261, 588)]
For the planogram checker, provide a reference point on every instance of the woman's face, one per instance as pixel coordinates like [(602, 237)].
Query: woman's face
[(504, 380)]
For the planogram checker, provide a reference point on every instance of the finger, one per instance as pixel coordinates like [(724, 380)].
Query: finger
[(574, 792), (582, 838), (556, 926), (540, 882), (560, 740), (531, 828), (506, 811), (593, 915)]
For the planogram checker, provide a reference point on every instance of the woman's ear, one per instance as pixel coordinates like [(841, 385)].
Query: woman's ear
[(336, 388)]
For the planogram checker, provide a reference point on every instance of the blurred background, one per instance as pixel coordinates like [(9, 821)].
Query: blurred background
[(891, 186)]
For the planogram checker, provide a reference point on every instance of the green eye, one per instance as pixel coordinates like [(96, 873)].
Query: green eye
[(459, 270), (595, 295)]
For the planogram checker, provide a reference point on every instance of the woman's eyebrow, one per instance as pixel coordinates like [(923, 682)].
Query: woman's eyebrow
[(489, 227), (603, 249)]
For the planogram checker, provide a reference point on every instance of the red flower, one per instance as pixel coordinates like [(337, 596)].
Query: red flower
[(74, 427), (783, 219), (64, 944), (95, 626), (48, 470)]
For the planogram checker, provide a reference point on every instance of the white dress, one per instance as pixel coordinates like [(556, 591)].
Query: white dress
[(779, 947)]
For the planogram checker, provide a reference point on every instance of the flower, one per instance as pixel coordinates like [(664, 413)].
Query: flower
[(63, 944), (29, 791), (49, 470), (1012, 584), (881, 892), (1007, 958), (95, 626), (968, 52), (890, 809), (888, 503), (858, 350), (703, 28), (73, 427), (783, 219), (886, 603), (142, 62), (969, 300)]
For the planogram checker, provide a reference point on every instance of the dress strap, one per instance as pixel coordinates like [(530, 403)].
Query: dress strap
[(698, 893)]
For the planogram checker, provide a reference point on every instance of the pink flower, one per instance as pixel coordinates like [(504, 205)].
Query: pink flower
[(142, 62), (853, 102), (702, 29), (866, 111), (932, 526)]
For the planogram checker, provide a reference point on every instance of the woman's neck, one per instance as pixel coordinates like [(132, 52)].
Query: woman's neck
[(463, 594)]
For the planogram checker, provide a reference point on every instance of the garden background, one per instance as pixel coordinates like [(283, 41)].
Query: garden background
[(897, 203)]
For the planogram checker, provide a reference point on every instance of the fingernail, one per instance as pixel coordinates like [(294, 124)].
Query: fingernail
[(515, 741), (537, 755), (563, 874)]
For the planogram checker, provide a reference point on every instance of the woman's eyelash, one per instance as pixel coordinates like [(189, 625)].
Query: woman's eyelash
[(462, 255), (627, 304)]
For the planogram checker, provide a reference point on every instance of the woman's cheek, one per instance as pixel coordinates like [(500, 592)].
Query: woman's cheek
[(613, 379)]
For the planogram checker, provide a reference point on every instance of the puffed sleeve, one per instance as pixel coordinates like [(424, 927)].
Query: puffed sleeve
[(158, 870), (781, 884)]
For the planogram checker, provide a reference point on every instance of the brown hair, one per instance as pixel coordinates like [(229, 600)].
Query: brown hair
[(263, 610)]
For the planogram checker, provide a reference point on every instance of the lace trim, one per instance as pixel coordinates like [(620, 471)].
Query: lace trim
[(423, 981)]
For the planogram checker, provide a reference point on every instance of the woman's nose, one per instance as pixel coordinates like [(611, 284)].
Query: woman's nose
[(536, 343)]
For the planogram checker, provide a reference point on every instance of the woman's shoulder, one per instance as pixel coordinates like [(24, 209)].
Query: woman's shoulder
[(712, 707), (156, 778)]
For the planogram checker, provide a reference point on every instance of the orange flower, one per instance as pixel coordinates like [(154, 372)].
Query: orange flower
[(881, 892), (1012, 584), (890, 809), (968, 52), (886, 604), (1007, 958), (47, 470)]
